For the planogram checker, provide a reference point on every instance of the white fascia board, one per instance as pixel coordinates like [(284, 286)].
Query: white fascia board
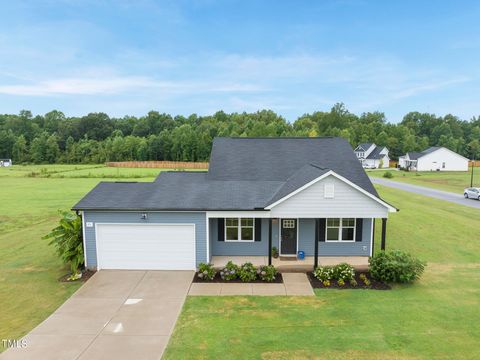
[(333, 173), (239, 214)]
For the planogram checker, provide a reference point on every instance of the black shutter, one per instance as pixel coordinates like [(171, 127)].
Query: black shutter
[(258, 229), (358, 230), (221, 229), (321, 229)]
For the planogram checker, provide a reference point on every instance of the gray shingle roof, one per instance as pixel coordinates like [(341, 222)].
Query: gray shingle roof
[(431, 149), (278, 159), (413, 155), (180, 191), (244, 174), (302, 177), (363, 146), (375, 154)]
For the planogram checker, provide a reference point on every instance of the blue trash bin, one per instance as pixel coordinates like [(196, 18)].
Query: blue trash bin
[(301, 255)]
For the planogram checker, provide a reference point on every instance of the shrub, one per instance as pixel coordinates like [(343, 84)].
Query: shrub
[(68, 241), (206, 271), (341, 282), (267, 273), (366, 281), (326, 283), (343, 272), (388, 174), (229, 272), (247, 272), (323, 273), (362, 277), (275, 252), (353, 282), (395, 267)]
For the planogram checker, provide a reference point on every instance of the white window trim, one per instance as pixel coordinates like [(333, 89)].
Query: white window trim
[(340, 231), (239, 230)]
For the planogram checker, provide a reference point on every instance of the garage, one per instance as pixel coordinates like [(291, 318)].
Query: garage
[(146, 246)]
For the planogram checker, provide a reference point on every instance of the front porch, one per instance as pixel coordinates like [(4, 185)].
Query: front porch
[(294, 265), (353, 241)]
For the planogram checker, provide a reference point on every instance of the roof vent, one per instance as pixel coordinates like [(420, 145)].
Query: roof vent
[(329, 191)]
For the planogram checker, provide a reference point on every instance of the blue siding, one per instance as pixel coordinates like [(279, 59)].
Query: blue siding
[(197, 218), (223, 248), (306, 241)]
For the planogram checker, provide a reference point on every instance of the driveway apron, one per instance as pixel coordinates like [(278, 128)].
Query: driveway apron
[(117, 314)]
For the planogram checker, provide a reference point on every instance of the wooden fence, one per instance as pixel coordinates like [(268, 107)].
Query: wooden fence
[(159, 164), (475, 163)]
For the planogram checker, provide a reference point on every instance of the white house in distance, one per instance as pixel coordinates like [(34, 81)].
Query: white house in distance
[(434, 158), (5, 162), (372, 156)]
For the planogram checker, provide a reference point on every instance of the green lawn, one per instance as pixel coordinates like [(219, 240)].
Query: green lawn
[(453, 181), (81, 171), (29, 268), (436, 318)]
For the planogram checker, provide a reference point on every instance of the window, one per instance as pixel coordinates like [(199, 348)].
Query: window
[(288, 224), (340, 229), (239, 229), (443, 165)]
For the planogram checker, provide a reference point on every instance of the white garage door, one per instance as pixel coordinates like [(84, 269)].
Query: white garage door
[(146, 246)]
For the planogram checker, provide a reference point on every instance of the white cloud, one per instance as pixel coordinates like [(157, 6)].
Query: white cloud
[(120, 84)]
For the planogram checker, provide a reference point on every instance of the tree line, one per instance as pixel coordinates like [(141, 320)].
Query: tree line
[(97, 138)]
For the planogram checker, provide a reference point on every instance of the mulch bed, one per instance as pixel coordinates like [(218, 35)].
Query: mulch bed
[(86, 274), (374, 284), (218, 279)]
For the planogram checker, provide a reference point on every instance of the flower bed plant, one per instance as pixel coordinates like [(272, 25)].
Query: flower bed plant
[(343, 276), (267, 273), (361, 280), (343, 271), (323, 273), (206, 271), (247, 272), (231, 272)]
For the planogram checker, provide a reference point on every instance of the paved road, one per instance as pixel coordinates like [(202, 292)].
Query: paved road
[(422, 190)]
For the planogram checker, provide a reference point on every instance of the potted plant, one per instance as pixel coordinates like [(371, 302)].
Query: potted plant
[(274, 252)]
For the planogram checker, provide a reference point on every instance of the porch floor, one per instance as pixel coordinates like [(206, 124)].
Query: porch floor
[(358, 262)]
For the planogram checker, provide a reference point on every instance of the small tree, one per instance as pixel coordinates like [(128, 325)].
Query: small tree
[(68, 241)]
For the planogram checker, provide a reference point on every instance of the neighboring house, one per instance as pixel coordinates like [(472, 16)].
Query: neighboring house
[(296, 194), (372, 156), (5, 162), (434, 158)]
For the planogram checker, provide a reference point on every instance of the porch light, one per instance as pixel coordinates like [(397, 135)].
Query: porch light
[(144, 216)]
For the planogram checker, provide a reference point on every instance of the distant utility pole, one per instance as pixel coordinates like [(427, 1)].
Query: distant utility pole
[(471, 176)]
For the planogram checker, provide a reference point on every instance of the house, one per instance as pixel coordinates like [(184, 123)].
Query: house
[(295, 194), (5, 162), (372, 156), (434, 158)]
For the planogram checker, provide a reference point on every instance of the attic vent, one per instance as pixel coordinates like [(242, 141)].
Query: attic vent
[(329, 191)]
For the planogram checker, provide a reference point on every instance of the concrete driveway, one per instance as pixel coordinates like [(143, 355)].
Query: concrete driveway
[(117, 314), (433, 193)]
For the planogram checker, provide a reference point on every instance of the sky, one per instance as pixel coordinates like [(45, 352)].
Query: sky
[(293, 57)]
